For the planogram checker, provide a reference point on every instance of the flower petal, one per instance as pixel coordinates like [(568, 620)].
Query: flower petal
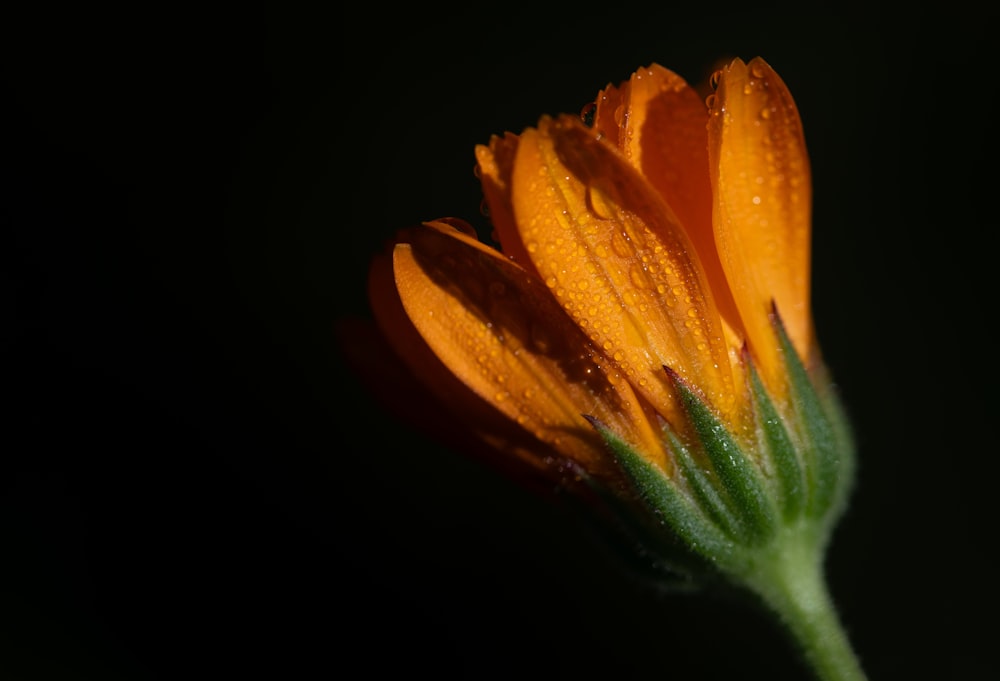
[(760, 174), (496, 328), (658, 122), (494, 164), (614, 256), (405, 372)]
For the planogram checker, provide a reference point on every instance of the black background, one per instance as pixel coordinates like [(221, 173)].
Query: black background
[(194, 482)]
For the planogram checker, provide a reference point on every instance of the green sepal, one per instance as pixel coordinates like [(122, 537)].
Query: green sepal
[(779, 447), (826, 450), (702, 487), (739, 475), (636, 540), (666, 501), (844, 440)]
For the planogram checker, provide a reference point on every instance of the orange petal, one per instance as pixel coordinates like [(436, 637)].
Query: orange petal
[(760, 174), (494, 165), (611, 251), (419, 389), (658, 122), (496, 328), (662, 122)]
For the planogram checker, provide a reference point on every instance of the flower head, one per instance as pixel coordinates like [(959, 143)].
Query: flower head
[(628, 324), (644, 328)]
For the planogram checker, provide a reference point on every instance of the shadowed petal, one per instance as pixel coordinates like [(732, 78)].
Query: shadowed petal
[(494, 166), (496, 328), (658, 123)]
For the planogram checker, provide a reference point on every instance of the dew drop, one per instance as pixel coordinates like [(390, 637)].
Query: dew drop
[(588, 113), (635, 235), (710, 101), (598, 203), (638, 276), (714, 79), (765, 113), (540, 339), (620, 245), (757, 71)]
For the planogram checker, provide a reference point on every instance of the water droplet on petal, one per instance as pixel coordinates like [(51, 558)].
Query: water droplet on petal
[(620, 245), (541, 340), (598, 203), (638, 277)]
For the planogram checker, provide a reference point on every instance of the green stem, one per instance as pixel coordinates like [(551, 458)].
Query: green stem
[(792, 583)]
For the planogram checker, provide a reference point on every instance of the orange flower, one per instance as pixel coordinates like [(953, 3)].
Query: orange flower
[(626, 335), (660, 236)]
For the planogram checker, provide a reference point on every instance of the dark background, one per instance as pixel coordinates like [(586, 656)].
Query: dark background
[(195, 482)]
